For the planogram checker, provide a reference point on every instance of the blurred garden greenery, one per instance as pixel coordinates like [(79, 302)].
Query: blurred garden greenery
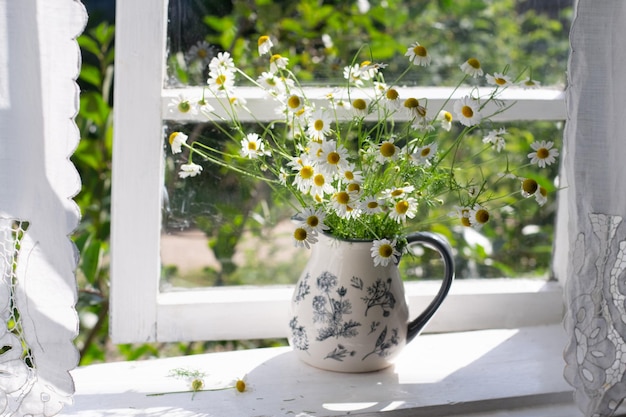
[(319, 37)]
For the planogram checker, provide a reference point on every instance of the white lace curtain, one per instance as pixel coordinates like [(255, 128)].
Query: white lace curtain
[(595, 168), (39, 62)]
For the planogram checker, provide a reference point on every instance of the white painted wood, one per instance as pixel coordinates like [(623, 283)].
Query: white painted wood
[(139, 312), (261, 312), (497, 373), (535, 104), (137, 158)]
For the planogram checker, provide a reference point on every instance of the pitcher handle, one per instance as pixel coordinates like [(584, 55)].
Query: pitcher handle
[(441, 245)]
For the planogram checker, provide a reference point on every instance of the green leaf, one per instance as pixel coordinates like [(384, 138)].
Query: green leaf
[(91, 74), (90, 259)]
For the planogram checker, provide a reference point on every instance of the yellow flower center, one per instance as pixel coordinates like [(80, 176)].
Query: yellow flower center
[(543, 153), (543, 191), (342, 197), (359, 104), (333, 158), (447, 116), (354, 187), (196, 385), (500, 81), (220, 80), (482, 216), (240, 385), (474, 63), (300, 234), (184, 106), (419, 50), (318, 125), (467, 111), (349, 175), (385, 250), (202, 53), (425, 152), (275, 58), (465, 221), (372, 205), (173, 136), (252, 146), (387, 149), (319, 180), (365, 63), (530, 83), (397, 193), (263, 39), (411, 103), (307, 172), (392, 94), (294, 102), (402, 207), (313, 221), (529, 186)]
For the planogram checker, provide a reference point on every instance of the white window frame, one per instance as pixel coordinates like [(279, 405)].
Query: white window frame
[(141, 313)]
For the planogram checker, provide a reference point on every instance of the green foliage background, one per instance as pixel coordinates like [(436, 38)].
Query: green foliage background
[(523, 34)]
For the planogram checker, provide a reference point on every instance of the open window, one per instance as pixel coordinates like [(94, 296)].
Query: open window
[(148, 304)]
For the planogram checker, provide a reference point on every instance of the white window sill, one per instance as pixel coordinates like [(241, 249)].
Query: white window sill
[(496, 373)]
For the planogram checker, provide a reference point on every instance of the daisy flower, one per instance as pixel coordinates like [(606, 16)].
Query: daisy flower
[(177, 140), (350, 175), (252, 146), (495, 138), (392, 99), (204, 107), (418, 55), (182, 105), (462, 213), (320, 185), (278, 62), (529, 83), (319, 125), (313, 219), (353, 74), (404, 209), (222, 83), (424, 154), (367, 70), (467, 111), (189, 170), (478, 216), (541, 196), (544, 154), (372, 205), (306, 172), (529, 187), (295, 103), (414, 108), (445, 117), (344, 204), (223, 62), (499, 79), (270, 82), (304, 238), (387, 151), (333, 158), (384, 251), (472, 67), (359, 106), (200, 52), (398, 192), (264, 44)]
